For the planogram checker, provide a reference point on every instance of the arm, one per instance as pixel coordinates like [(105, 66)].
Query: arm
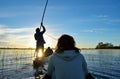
[(44, 29), (49, 73), (87, 74), (35, 37), (50, 67), (84, 64)]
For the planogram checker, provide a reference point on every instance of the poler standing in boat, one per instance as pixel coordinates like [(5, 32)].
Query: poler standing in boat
[(67, 62), (39, 39)]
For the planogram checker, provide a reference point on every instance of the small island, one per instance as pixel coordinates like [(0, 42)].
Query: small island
[(102, 45)]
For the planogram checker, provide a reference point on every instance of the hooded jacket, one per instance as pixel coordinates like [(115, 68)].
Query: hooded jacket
[(67, 65)]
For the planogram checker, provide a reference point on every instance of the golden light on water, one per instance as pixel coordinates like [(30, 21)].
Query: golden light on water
[(40, 53)]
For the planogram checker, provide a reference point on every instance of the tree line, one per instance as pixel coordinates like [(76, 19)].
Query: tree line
[(102, 45)]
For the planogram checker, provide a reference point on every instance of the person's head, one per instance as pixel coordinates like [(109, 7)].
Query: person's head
[(37, 30), (66, 42), (49, 48)]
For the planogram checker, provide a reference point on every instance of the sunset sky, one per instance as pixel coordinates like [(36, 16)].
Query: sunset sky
[(88, 21)]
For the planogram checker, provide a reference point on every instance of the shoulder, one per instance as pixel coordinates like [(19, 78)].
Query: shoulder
[(53, 56), (82, 58)]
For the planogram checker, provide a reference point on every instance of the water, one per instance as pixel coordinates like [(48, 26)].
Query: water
[(103, 64), (17, 63)]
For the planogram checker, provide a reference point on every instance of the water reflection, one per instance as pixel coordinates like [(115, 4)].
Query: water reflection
[(103, 63)]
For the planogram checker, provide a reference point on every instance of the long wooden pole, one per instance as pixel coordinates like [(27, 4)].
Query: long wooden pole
[(44, 12)]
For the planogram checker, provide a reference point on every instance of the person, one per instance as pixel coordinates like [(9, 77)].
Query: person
[(48, 52), (39, 39), (66, 62)]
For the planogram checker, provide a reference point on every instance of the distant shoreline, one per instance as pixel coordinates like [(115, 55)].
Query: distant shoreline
[(17, 48), (45, 48), (54, 48)]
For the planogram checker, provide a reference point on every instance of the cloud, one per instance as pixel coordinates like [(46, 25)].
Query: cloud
[(95, 30), (4, 30), (102, 16), (107, 18), (23, 37), (114, 20), (16, 37)]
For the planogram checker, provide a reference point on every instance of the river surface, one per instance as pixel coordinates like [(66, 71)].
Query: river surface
[(17, 63)]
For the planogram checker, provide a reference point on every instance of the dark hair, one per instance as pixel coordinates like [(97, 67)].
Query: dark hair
[(66, 42), (37, 30)]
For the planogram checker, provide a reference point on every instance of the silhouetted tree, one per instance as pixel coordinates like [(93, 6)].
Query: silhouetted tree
[(102, 45)]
